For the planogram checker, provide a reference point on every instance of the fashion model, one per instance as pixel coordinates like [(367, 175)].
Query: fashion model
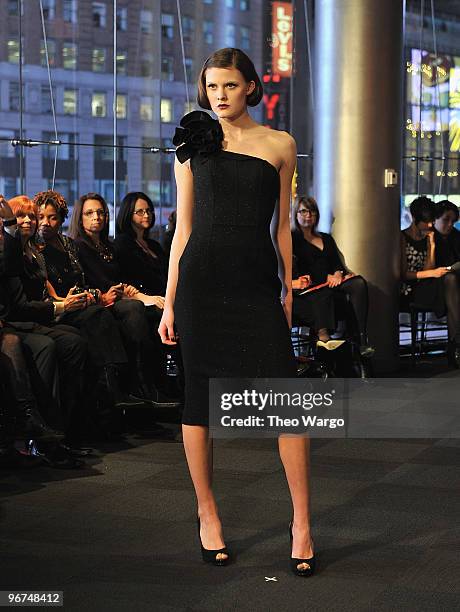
[(230, 264)]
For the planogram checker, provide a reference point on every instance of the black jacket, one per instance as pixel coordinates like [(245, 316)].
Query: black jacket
[(146, 273)]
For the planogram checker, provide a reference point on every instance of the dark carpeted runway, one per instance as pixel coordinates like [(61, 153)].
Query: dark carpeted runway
[(121, 534)]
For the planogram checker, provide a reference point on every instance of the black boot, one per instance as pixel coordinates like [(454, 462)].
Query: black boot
[(147, 393), (32, 425), (115, 394)]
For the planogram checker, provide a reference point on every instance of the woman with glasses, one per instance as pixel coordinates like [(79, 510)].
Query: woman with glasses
[(317, 256), (89, 228)]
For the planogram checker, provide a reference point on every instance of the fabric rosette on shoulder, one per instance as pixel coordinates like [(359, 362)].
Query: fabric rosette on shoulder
[(199, 134)]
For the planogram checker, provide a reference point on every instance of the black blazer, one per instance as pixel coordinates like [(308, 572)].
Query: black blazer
[(311, 260), (146, 273), (447, 250)]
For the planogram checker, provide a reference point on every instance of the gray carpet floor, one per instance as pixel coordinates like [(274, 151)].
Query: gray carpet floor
[(121, 534)]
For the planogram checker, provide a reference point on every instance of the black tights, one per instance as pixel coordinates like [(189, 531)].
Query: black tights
[(451, 283)]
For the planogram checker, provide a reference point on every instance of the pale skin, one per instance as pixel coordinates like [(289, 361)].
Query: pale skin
[(417, 231), (227, 86)]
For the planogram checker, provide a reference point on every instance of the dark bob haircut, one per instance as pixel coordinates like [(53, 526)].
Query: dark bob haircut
[(423, 209), (230, 58), (445, 205), (126, 210), (76, 223), (310, 204)]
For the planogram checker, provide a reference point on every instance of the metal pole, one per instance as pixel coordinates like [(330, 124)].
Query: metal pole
[(21, 103), (115, 125)]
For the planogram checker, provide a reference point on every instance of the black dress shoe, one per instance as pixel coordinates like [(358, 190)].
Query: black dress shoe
[(55, 456), (301, 567), (12, 459), (34, 426), (210, 556)]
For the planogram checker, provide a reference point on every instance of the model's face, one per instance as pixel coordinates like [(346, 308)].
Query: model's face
[(93, 217), (424, 227), (27, 223), (446, 222), (49, 222), (142, 215), (227, 91), (306, 217)]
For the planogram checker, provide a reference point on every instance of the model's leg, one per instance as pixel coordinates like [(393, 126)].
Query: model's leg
[(198, 450), (295, 455)]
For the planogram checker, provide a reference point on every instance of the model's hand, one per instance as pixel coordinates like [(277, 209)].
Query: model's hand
[(438, 272), (5, 209), (334, 280), (166, 327)]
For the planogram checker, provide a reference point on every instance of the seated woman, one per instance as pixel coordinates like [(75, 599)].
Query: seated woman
[(90, 229), (447, 237), (425, 284), (143, 263), (317, 257)]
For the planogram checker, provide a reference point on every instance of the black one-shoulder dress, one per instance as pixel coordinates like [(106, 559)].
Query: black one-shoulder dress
[(228, 313)]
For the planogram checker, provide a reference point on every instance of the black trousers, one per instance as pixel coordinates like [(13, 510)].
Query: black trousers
[(58, 357), (322, 308), (442, 296)]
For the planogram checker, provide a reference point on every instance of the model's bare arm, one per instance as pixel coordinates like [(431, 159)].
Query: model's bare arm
[(184, 212), (283, 231)]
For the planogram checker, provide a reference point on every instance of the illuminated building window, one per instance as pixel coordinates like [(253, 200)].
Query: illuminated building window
[(208, 32), (208, 1), (99, 15), (122, 106), (70, 101), (122, 60), (244, 5), (146, 108), (51, 52), (69, 11), (146, 21), (13, 51), (167, 68), (69, 56), (166, 110), (230, 3), (122, 19), (99, 104), (245, 34), (167, 26), (230, 35), (98, 62)]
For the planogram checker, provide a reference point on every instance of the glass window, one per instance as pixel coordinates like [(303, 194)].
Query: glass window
[(49, 9), (122, 61), (14, 101), (147, 65), (166, 110), (65, 151), (9, 186), (146, 108), (230, 35), (208, 32), (13, 51), (122, 19), (167, 25), (146, 21), (69, 11), (244, 5), (70, 101), (99, 104), (99, 15), (51, 44), (13, 7), (105, 153), (230, 3), (188, 28), (207, 1), (167, 68), (69, 56), (245, 34), (45, 100), (122, 106), (189, 69), (98, 62), (6, 149)]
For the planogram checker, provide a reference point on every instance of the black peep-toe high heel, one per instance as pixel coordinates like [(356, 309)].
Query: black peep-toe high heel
[(210, 556), (301, 571)]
